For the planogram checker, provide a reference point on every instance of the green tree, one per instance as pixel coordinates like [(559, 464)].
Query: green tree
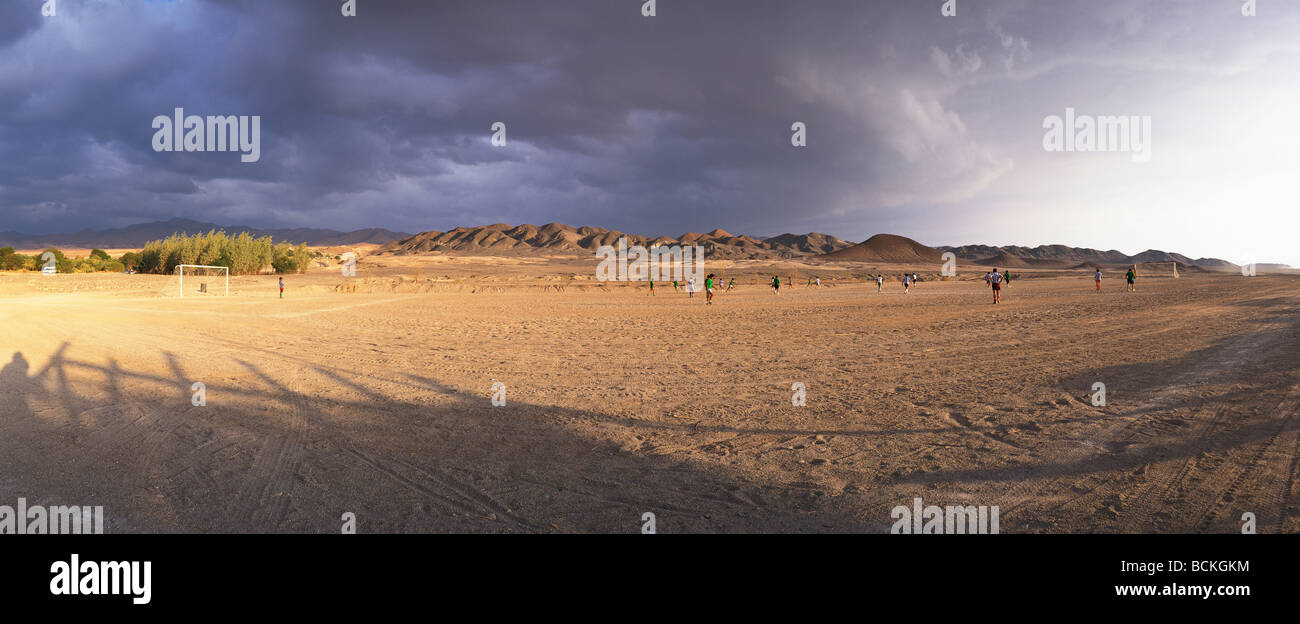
[(130, 260), (284, 263), (14, 262)]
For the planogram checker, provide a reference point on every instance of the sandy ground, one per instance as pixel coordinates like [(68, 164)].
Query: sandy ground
[(373, 396)]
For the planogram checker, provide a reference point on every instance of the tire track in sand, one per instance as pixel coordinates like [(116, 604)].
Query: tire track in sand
[(264, 498), (1027, 492), (436, 487)]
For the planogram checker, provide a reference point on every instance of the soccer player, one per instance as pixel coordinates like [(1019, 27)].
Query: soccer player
[(282, 288), (1006, 277), (690, 287), (652, 287), (880, 283), (995, 279), (1131, 277), (708, 290), (776, 284), (907, 283), (731, 284), (1097, 276)]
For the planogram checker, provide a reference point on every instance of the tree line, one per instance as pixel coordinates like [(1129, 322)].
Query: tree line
[(99, 260), (243, 254)]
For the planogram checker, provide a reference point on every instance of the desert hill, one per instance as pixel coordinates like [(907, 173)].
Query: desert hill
[(1155, 255), (1004, 259), (1216, 264), (1043, 252), (1064, 256), (887, 248), (811, 242), (560, 238)]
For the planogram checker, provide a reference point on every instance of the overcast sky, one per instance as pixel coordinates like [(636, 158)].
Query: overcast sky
[(917, 124)]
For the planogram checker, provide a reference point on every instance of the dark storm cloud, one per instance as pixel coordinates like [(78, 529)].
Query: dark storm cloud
[(676, 121), (654, 125)]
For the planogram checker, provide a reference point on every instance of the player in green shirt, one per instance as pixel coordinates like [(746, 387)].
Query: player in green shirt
[(708, 289)]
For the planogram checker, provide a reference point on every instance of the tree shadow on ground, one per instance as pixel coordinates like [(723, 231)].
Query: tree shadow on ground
[(265, 456)]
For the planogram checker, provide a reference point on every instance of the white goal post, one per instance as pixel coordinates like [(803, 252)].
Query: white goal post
[(180, 275)]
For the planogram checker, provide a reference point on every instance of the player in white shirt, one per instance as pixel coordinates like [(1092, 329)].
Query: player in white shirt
[(995, 279)]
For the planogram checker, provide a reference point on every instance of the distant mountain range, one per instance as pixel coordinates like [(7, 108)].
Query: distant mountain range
[(501, 238), (557, 237), (137, 235), (1061, 256)]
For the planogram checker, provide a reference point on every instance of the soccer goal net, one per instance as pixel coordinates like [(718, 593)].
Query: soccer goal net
[(193, 279)]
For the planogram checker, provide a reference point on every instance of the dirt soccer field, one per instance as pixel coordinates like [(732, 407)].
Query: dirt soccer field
[(376, 399)]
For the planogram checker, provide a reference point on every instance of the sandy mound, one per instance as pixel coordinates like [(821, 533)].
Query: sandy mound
[(887, 248)]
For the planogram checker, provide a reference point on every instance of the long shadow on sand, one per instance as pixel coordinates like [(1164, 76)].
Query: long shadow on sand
[(263, 456)]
